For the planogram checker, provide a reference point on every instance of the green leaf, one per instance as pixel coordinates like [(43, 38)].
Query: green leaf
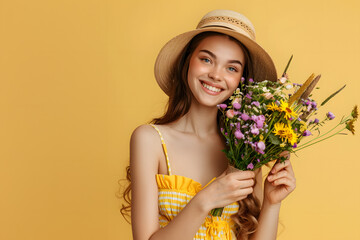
[(332, 95), (274, 139)]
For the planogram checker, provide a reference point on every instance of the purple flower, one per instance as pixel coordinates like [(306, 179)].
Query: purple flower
[(222, 106), (254, 130), (330, 115), (245, 117), (306, 133), (250, 166), (222, 129), (307, 103), (242, 79), (316, 120), (308, 108), (248, 96), (260, 147), (259, 124), (313, 104), (259, 120), (236, 105), (238, 134), (258, 160), (238, 125), (295, 145), (291, 118), (295, 129), (251, 80), (256, 103)]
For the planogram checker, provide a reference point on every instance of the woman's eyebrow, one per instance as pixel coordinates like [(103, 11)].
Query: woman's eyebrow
[(213, 55)]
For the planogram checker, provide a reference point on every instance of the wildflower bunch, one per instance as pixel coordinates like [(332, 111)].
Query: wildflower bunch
[(261, 120)]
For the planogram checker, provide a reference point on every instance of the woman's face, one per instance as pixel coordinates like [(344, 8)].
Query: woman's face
[(215, 70)]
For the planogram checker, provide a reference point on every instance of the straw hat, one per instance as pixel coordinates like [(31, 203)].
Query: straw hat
[(223, 21)]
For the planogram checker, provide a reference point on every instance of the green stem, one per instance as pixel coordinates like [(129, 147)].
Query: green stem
[(270, 124), (216, 212), (302, 147), (341, 122)]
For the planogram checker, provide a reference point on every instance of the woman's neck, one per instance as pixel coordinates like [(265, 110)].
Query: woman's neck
[(199, 120)]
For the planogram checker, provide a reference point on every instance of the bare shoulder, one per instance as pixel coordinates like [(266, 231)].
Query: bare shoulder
[(145, 142), (145, 132), (145, 135)]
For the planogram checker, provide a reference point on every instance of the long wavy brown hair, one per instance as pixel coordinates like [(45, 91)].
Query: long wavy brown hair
[(177, 106)]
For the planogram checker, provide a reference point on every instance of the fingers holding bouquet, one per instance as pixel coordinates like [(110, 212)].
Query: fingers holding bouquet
[(281, 180)]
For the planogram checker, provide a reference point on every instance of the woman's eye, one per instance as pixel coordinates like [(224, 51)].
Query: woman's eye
[(205, 59), (233, 69)]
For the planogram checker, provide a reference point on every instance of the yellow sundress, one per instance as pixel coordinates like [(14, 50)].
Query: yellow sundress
[(176, 191)]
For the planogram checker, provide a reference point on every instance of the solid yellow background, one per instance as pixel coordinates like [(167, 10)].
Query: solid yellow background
[(77, 78)]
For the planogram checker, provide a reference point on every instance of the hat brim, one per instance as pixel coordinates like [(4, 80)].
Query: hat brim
[(263, 66)]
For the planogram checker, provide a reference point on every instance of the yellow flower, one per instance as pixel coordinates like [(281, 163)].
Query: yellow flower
[(350, 126), (273, 107), (283, 145), (280, 130), (355, 112), (291, 136), (289, 112)]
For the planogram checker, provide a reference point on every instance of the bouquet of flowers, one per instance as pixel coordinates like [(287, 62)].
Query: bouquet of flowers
[(261, 120)]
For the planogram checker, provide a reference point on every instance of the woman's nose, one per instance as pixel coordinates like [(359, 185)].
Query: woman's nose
[(215, 74)]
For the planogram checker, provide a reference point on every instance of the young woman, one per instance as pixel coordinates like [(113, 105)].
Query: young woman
[(178, 171)]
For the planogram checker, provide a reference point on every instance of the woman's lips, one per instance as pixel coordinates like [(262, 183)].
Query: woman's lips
[(210, 89)]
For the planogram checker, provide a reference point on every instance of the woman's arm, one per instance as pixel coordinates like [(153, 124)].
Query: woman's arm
[(278, 185), (145, 150)]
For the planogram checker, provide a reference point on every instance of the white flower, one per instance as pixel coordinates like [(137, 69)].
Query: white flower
[(283, 80), (265, 89), (267, 95), (289, 86)]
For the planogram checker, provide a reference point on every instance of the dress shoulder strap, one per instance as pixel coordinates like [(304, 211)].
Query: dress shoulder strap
[(164, 148)]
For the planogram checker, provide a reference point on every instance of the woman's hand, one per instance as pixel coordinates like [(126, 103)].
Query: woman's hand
[(231, 186), (280, 181)]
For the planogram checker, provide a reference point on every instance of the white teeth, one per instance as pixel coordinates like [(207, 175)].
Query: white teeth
[(211, 88)]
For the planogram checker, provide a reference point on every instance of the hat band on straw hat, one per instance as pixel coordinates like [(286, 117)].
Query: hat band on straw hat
[(231, 22)]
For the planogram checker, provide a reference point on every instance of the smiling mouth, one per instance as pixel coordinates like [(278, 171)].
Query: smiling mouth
[(211, 88)]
